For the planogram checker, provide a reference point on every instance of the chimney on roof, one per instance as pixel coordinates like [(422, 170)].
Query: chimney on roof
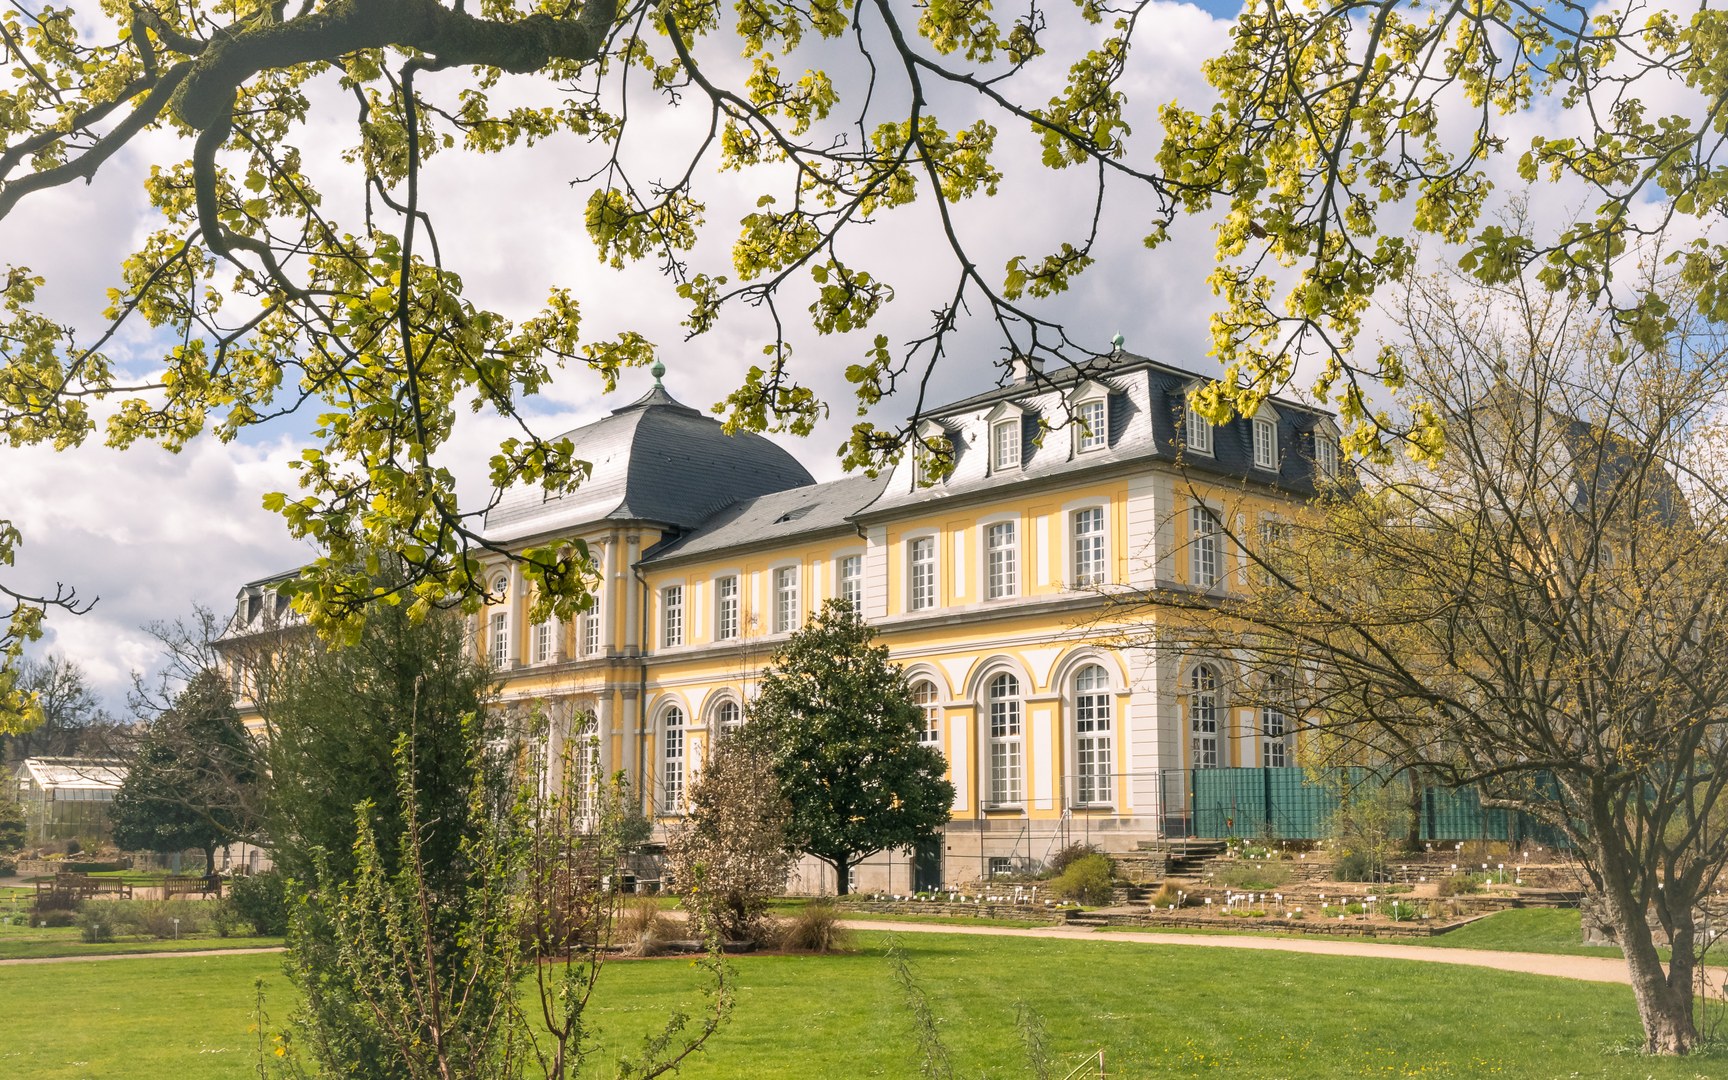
[(1026, 368)]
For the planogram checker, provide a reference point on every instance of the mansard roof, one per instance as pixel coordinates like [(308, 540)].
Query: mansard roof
[(654, 460), (1147, 403), (777, 518)]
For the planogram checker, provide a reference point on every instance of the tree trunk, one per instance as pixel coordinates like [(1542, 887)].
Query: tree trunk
[(1664, 998), (841, 867)]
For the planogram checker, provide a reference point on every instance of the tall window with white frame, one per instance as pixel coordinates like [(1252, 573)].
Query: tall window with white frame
[(726, 608), (584, 765), (1002, 557), (1203, 716), (1006, 769), (924, 693), (1005, 444), (728, 718), (672, 760), (1092, 430), (785, 599), (545, 640), (1325, 454), (1197, 433), (921, 573), (672, 616), (501, 623), (591, 630), (1204, 557), (1265, 444), (1274, 724), (850, 574), (1092, 753), (1088, 547)]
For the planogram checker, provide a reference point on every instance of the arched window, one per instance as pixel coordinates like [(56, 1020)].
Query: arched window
[(1092, 754), (501, 621), (672, 760), (1203, 716), (1006, 769), (924, 693), (728, 717), (1274, 724)]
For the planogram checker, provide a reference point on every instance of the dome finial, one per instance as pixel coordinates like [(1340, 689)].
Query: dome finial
[(657, 370), (1117, 342)]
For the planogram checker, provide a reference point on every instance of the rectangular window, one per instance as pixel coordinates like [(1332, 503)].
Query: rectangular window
[(726, 608), (1199, 433), (672, 616), (1093, 434), (1089, 546), (1265, 444), (785, 599), (591, 630), (1005, 444), (921, 573), (1003, 559), (500, 638), (851, 575), (1326, 454), (1203, 556), (545, 640)]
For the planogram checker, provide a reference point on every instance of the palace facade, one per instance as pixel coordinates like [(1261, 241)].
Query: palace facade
[(1000, 588)]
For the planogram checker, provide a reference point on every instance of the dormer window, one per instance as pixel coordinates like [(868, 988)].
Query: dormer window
[(1326, 454), (1265, 428), (1092, 430), (1198, 433), (1005, 444), (928, 466), (1265, 444)]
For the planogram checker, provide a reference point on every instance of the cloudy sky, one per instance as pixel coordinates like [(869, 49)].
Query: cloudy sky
[(146, 534)]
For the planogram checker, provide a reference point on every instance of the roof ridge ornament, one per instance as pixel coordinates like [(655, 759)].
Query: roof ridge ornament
[(657, 370)]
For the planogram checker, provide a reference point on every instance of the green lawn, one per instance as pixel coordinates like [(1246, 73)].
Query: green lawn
[(1156, 1011), (1530, 930), (21, 942)]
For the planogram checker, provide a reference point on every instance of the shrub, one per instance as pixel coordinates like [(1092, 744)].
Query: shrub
[(56, 918), (225, 920), (1168, 894), (1068, 856), (643, 928), (1357, 866), (816, 929), (1457, 885), (1087, 880), (1254, 876), (262, 901)]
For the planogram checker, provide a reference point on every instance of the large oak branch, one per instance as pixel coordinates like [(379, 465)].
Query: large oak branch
[(452, 37)]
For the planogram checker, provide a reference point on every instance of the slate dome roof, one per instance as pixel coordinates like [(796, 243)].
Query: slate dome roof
[(654, 460)]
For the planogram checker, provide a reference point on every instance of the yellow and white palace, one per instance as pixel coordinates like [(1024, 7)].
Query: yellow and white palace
[(993, 588)]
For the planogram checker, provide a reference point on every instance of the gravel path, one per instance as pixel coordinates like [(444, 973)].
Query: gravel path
[(1589, 968), (158, 955)]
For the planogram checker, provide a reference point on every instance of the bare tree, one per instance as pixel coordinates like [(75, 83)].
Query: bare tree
[(1542, 613)]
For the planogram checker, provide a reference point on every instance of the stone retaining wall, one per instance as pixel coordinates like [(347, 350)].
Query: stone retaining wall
[(1307, 927), (987, 910)]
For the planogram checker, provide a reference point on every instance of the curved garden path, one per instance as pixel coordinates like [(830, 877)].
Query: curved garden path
[(1588, 968)]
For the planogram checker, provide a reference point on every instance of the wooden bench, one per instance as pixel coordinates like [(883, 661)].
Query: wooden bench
[(200, 885), (70, 890)]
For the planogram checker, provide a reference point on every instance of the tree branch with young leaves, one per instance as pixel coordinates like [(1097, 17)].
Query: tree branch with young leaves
[(268, 303)]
